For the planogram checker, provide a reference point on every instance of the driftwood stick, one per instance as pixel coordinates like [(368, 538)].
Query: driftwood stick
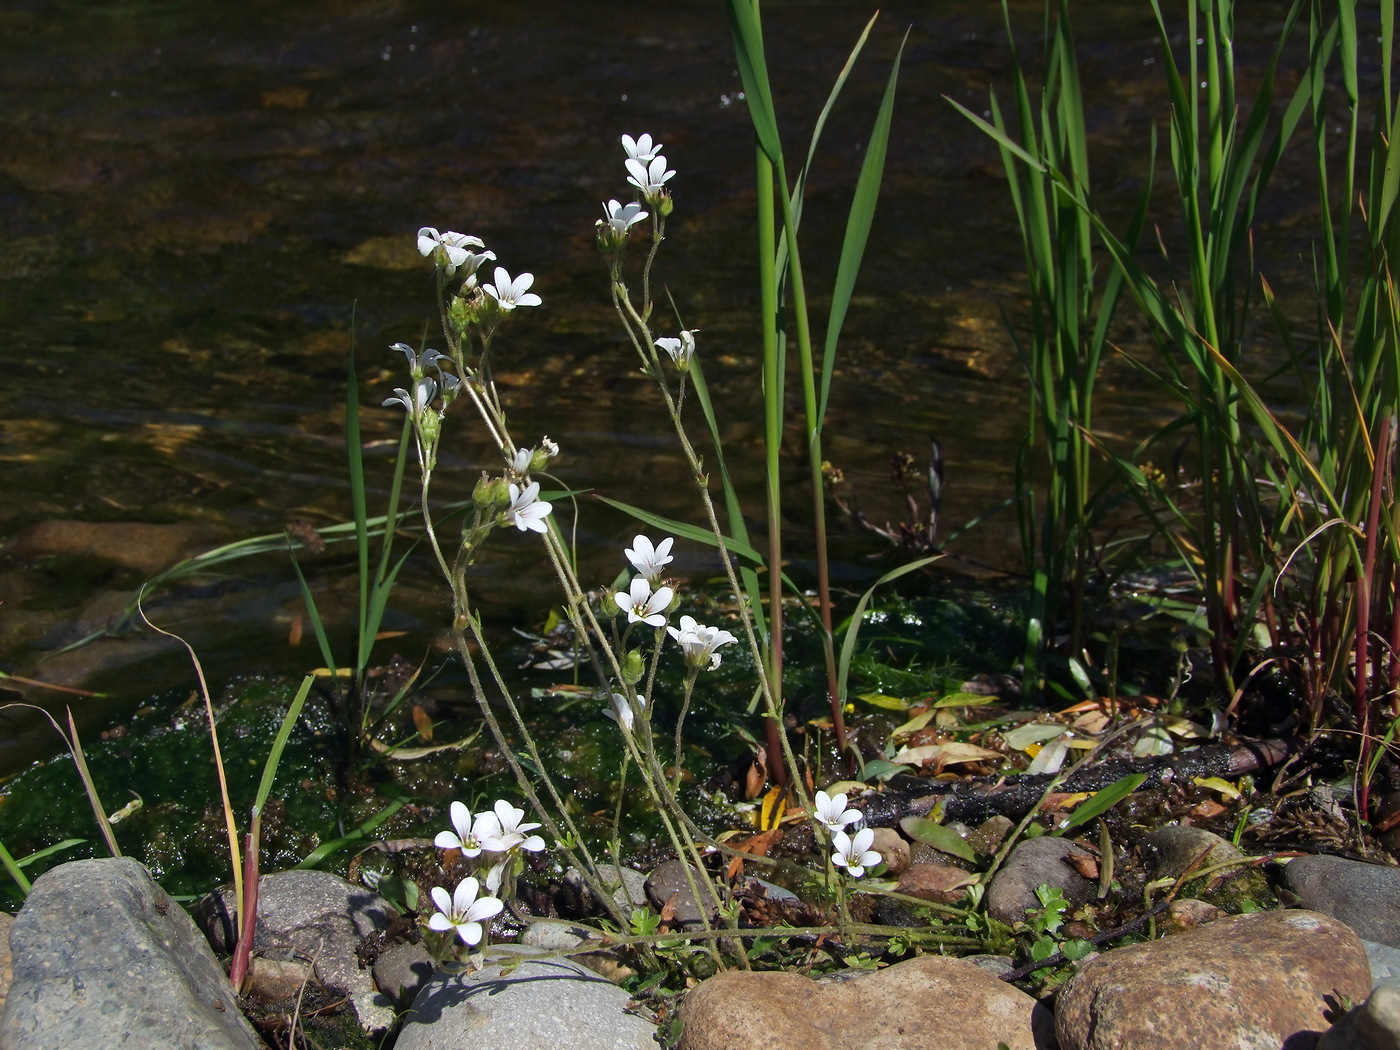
[(974, 800)]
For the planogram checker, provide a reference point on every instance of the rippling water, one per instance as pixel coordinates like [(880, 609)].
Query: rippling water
[(197, 199)]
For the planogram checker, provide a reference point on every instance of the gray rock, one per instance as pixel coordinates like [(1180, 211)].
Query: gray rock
[(401, 972), (101, 952), (542, 1004), (558, 936), (318, 916), (1036, 862), (1175, 849), (6, 971), (1364, 896), (1385, 961), (1375, 1025), (667, 880), (627, 884)]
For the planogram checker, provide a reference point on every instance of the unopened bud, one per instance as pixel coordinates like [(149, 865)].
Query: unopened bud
[(633, 667)]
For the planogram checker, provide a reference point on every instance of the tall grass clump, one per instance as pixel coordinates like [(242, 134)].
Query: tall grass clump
[(1287, 519)]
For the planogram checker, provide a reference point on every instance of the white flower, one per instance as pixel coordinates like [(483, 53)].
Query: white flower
[(495, 875), (510, 294), (649, 560), (448, 249), (502, 831), (550, 448), (831, 810), (621, 711), (854, 854), (622, 217), (466, 835), (462, 911), (418, 364), (651, 177), (520, 464), (527, 510), (681, 350), (417, 402), (642, 148), (642, 604), (699, 643)]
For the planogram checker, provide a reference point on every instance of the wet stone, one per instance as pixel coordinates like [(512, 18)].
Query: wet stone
[(1036, 862), (667, 882), (1364, 896), (101, 952)]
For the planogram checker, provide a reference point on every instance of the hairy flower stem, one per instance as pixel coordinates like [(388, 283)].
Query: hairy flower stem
[(680, 725), (640, 335)]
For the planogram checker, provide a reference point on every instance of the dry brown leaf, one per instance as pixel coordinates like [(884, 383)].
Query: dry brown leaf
[(294, 632), (757, 775), (668, 910), (422, 723), (1085, 865)]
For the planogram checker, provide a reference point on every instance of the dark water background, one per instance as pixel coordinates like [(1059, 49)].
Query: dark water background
[(195, 199)]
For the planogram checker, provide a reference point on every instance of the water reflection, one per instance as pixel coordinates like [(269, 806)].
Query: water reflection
[(198, 199)]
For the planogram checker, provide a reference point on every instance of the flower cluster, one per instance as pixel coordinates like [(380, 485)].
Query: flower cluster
[(497, 833), (452, 254), (648, 174)]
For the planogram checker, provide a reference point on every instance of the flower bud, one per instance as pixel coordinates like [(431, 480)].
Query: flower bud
[(663, 204), (491, 492), (633, 667)]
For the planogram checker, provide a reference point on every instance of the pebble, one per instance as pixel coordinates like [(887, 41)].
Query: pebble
[(540, 1004), (1364, 896), (1032, 863), (312, 915), (1239, 983), (931, 1001), (1375, 1025)]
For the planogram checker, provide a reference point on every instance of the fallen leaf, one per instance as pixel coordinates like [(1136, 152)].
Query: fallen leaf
[(294, 633), (756, 775), (1085, 865), (1218, 785), (422, 723)]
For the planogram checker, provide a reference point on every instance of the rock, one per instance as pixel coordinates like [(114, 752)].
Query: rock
[(990, 834), (401, 972), (940, 883), (101, 952), (131, 545), (1375, 1025), (314, 915), (1032, 863), (1364, 896), (1176, 849), (1385, 960), (542, 1004), (931, 1001), (667, 880), (628, 891), (1243, 981), (275, 981), (555, 935), (6, 968), (1189, 913), (893, 850)]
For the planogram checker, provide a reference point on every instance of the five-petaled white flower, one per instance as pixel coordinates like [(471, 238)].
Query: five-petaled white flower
[(682, 350), (699, 643), (449, 249), (621, 711), (466, 833), (651, 177), (462, 911), (642, 604), (512, 293), (831, 810), (649, 560), (527, 510), (417, 402), (622, 217), (418, 364), (502, 832), (641, 148), (854, 853)]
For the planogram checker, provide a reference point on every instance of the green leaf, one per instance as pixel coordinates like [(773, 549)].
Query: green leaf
[(753, 73), (939, 836), (1103, 801), (690, 532), (858, 223), (279, 743)]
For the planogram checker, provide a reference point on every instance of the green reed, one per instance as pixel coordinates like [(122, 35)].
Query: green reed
[(1073, 299), (783, 299)]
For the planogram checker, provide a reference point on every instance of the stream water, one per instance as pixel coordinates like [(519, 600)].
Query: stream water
[(202, 203)]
